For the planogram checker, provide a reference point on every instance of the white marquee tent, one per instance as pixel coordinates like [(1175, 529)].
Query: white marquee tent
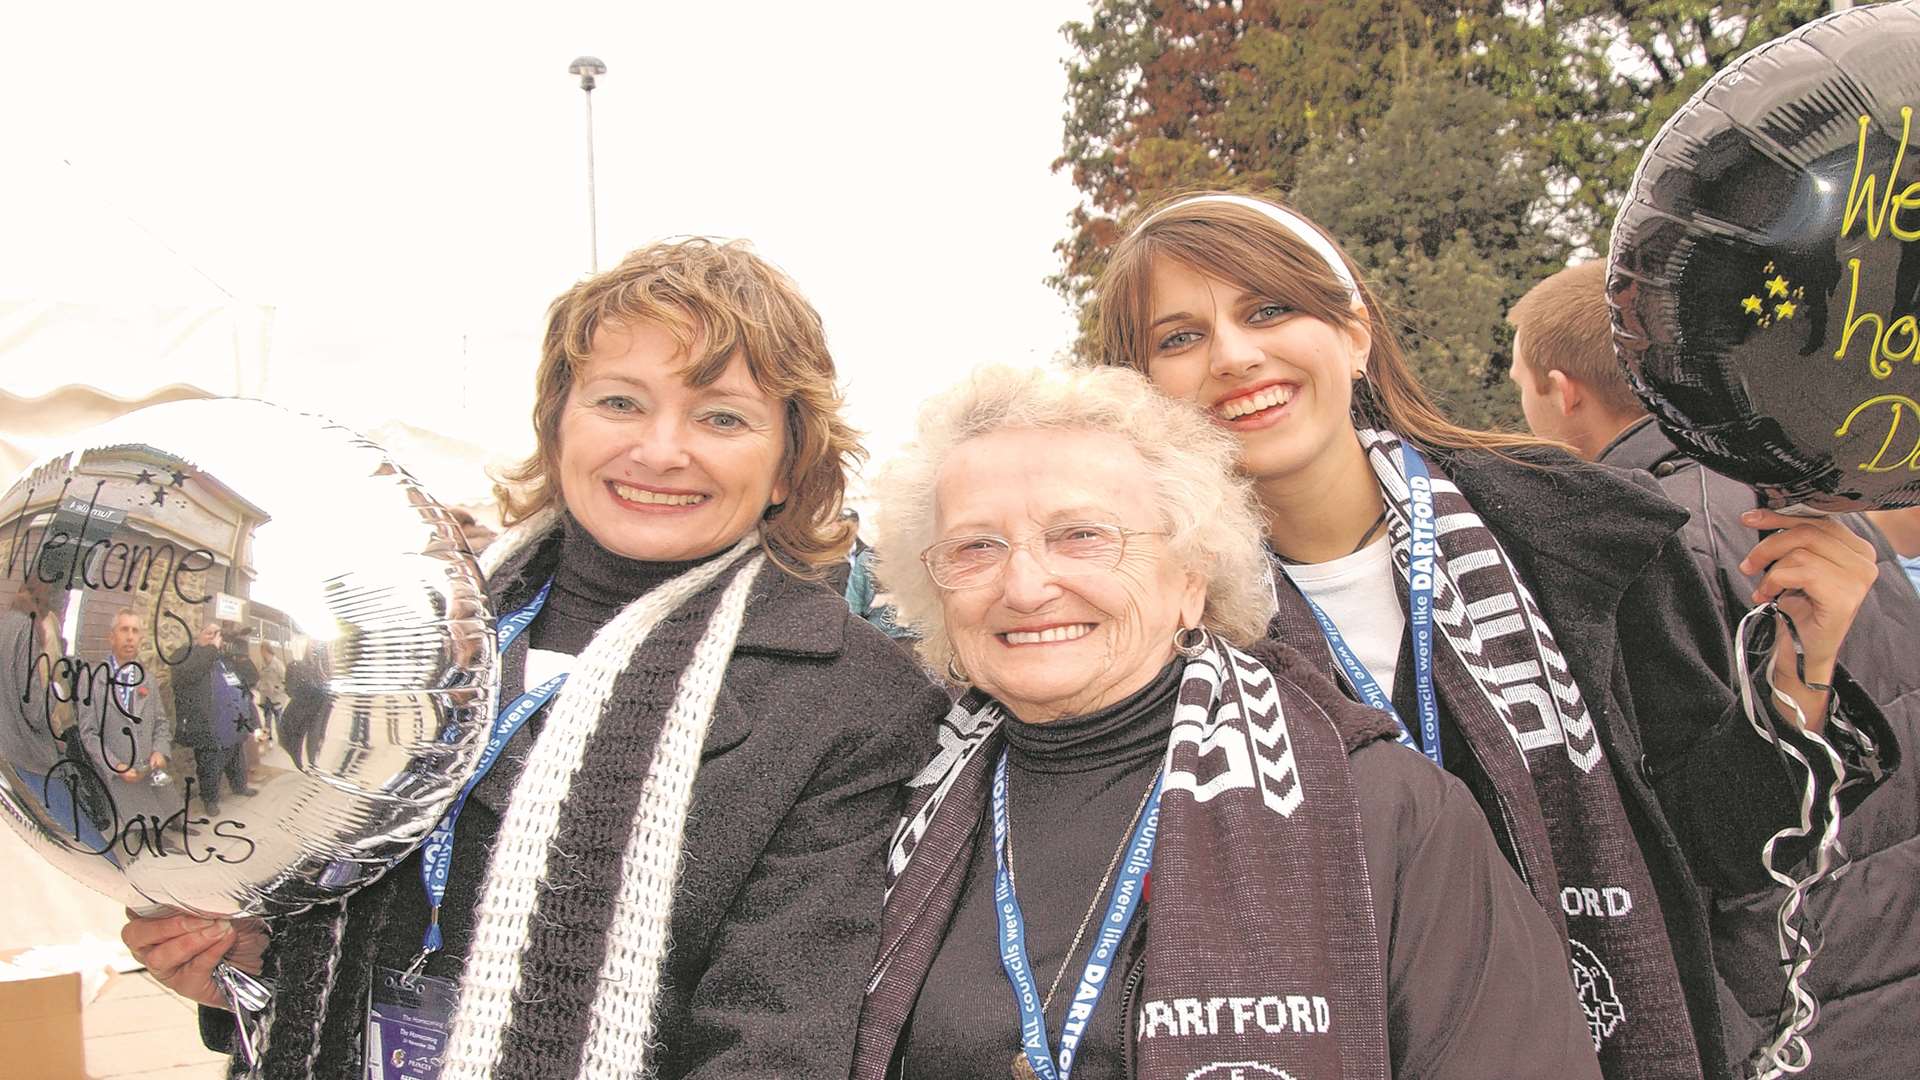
[(98, 317)]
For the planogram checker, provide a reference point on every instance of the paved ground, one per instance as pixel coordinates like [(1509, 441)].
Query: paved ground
[(137, 1030)]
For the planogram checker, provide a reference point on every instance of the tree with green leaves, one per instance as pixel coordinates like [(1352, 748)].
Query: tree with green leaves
[(1435, 203), (1272, 96)]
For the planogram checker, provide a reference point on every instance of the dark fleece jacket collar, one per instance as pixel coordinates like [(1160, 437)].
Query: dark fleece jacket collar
[(1539, 498), (1640, 447)]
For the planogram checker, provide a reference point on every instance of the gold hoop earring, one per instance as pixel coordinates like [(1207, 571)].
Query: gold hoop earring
[(954, 674), (1190, 641)]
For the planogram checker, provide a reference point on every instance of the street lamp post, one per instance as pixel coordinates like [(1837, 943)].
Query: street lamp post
[(587, 67)]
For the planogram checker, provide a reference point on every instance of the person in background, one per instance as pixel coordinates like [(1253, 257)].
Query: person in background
[(1867, 976), (854, 580), (673, 867), (1902, 530), (1075, 549), (303, 722), (213, 713), (271, 691), (34, 708), (138, 732), (38, 740), (1556, 670)]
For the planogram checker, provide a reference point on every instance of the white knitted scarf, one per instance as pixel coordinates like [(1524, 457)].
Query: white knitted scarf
[(622, 1028)]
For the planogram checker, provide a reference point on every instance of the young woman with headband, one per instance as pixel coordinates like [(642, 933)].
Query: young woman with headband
[(1530, 619)]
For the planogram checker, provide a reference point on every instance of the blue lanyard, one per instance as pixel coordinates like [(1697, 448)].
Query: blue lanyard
[(1419, 620), (1121, 905), (436, 854)]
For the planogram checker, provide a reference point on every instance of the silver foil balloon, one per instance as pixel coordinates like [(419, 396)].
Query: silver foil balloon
[(156, 579)]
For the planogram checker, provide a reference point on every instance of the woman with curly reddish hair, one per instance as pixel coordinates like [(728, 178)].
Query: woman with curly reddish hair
[(673, 868)]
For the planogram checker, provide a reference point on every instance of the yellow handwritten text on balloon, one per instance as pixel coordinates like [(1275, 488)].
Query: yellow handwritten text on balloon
[(1898, 404), (1892, 207), (1882, 353), (1888, 213)]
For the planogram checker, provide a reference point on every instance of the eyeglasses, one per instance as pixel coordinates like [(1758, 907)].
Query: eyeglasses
[(1076, 547)]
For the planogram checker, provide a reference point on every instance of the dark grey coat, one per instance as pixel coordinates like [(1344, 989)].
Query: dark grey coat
[(1602, 552), (819, 720), (1867, 976)]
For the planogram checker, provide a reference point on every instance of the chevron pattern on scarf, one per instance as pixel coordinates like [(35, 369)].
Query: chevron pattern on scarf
[(1228, 714), (962, 732), (1500, 636), (1510, 670), (1238, 835)]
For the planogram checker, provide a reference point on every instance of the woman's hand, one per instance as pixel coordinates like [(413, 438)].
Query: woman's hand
[(1819, 572), (182, 950)]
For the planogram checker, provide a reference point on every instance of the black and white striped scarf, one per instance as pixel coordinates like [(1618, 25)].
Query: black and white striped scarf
[(1506, 686), (571, 934), (1258, 815)]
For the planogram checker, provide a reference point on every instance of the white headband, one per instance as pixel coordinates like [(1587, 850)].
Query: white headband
[(1287, 220)]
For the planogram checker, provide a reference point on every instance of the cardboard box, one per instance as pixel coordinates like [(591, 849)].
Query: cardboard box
[(40, 1035)]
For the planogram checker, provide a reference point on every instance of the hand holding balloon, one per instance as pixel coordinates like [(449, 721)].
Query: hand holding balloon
[(182, 950), (1818, 572)]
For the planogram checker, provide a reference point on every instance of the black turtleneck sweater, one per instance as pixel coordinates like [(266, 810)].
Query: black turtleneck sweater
[(1073, 787), (590, 586)]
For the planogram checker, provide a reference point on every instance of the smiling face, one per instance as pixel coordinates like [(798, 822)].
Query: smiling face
[(1280, 380), (1046, 645), (658, 469)]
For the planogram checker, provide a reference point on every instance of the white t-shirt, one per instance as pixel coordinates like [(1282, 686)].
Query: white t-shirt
[(544, 664), (1360, 593)]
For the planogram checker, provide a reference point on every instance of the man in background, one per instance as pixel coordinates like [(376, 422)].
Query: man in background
[(1902, 530), (213, 713), (138, 735), (1867, 976)]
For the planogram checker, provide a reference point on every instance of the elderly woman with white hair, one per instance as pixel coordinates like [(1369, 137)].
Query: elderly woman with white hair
[(1152, 844)]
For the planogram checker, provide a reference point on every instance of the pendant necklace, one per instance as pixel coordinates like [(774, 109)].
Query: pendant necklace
[(1022, 1068)]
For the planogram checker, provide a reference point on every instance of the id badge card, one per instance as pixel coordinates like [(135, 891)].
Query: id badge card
[(407, 1025)]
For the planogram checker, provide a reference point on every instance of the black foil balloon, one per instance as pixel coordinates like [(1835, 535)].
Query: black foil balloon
[(1765, 270)]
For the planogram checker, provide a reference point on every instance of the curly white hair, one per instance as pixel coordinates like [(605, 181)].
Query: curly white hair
[(1213, 522)]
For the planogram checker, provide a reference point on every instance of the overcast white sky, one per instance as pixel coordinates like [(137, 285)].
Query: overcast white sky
[(404, 184)]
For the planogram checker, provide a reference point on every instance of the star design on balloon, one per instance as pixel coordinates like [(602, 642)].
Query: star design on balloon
[(1774, 286), (167, 479)]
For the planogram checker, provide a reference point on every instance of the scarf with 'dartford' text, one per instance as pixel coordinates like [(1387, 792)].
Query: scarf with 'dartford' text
[(1259, 890)]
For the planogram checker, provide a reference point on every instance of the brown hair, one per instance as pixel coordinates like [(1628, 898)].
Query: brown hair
[(1568, 327), (1242, 245), (718, 298)]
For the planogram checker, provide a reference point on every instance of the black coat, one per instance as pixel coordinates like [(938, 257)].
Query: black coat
[(1867, 977), (1602, 552), (818, 721), (193, 694)]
